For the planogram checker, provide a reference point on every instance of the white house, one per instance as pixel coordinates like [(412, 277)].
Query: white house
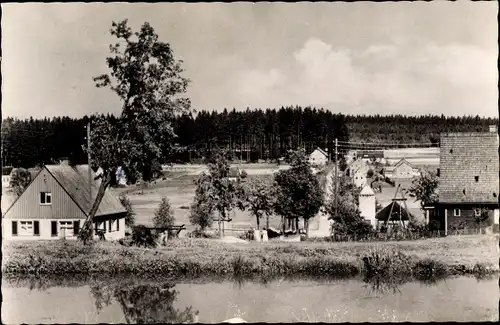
[(367, 204), (6, 171), (318, 157), (5, 181), (358, 170), (402, 170), (56, 204)]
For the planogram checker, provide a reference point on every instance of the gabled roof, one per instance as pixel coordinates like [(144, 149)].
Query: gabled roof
[(383, 214), (323, 152), (74, 179), (367, 191), (463, 157), (403, 161)]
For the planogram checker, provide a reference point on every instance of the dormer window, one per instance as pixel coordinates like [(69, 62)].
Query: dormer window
[(45, 198)]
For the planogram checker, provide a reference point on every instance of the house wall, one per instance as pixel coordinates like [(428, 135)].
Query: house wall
[(317, 158), (5, 180), (359, 178), (367, 207), (28, 205), (116, 232), (403, 171), (45, 229), (467, 216)]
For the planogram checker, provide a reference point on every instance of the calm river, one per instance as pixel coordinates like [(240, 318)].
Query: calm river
[(146, 301)]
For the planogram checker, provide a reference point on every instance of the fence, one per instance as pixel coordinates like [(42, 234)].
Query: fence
[(405, 235)]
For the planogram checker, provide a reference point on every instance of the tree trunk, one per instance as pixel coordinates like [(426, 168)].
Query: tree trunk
[(283, 225), (297, 224), (306, 226), (267, 221), (258, 221), (87, 225)]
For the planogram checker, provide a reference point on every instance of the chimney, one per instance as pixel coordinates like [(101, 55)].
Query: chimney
[(493, 128)]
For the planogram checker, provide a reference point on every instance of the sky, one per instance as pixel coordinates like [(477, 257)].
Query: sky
[(409, 58)]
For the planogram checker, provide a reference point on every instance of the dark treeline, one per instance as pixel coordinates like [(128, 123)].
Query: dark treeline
[(249, 135), (411, 129)]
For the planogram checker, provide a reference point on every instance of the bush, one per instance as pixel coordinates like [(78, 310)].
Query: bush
[(142, 236), (164, 216), (130, 216)]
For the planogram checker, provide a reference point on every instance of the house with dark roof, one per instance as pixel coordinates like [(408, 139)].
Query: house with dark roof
[(468, 182), (56, 204)]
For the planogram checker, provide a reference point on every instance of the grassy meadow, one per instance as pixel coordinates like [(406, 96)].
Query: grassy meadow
[(180, 188), (210, 257)]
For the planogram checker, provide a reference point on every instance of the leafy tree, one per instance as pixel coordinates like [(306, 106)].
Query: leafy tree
[(164, 216), (143, 303), (481, 215), (258, 198), (298, 191), (20, 178), (424, 188), (216, 191), (147, 78), (130, 216), (370, 173), (346, 216)]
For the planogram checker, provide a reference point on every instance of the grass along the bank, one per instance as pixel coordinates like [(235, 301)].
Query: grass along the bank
[(204, 257)]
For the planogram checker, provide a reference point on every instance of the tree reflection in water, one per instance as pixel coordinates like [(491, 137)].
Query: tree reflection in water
[(144, 303)]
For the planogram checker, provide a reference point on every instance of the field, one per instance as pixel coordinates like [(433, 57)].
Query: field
[(180, 189)]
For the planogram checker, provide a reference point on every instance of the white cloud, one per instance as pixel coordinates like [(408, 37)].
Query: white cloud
[(454, 79)]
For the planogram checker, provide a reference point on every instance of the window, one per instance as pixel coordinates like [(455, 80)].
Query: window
[(476, 178), (67, 228), (76, 227), (117, 224), (45, 198), (110, 223), (53, 228), (14, 228), (26, 228), (36, 228), (456, 212)]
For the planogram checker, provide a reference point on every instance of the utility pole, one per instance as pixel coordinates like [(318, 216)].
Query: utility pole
[(336, 174), (90, 170)]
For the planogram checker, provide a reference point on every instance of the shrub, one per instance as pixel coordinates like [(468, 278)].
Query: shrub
[(130, 216), (164, 216), (142, 236)]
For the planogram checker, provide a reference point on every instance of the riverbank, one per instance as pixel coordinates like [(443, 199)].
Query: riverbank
[(202, 257)]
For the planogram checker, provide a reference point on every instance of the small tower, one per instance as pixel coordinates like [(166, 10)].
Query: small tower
[(367, 204)]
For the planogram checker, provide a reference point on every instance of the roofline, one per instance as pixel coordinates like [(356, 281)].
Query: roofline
[(17, 199), (72, 198), (468, 203)]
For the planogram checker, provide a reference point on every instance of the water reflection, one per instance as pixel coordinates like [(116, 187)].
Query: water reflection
[(156, 300), (143, 303)]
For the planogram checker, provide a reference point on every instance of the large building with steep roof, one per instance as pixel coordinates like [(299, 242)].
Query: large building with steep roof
[(56, 204), (468, 180)]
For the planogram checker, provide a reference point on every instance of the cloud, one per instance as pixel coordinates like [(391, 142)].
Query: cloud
[(452, 78)]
